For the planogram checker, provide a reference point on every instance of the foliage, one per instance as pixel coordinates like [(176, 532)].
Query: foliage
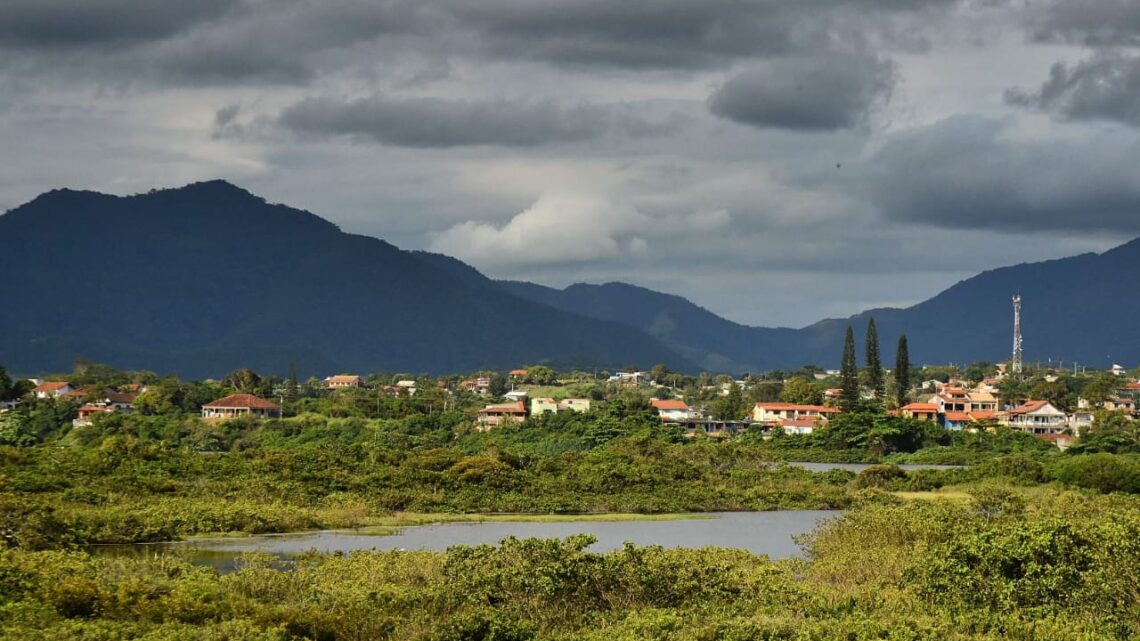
[(849, 373)]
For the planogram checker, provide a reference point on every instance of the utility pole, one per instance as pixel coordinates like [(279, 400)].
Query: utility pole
[(1015, 364)]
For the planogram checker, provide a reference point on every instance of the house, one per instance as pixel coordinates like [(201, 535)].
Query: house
[(1118, 370), (1036, 417), (8, 405), (981, 401), (574, 405), (518, 373), (711, 428), (476, 385), (832, 394), (543, 406), (51, 389), (951, 399), (800, 425), (775, 413), (516, 395), (1119, 404), (408, 386), (236, 405), (671, 411), (500, 414), (342, 381), (920, 411), (630, 379)]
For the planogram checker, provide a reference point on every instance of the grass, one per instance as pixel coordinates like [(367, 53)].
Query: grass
[(957, 496)]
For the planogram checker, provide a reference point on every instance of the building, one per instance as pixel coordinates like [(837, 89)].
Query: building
[(51, 389), (671, 411), (236, 405), (630, 379), (776, 413), (342, 381), (500, 414), (574, 405), (800, 425), (1037, 417), (1118, 370), (920, 411), (543, 406)]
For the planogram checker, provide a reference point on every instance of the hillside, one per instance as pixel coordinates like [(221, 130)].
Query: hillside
[(1078, 308), (207, 278)]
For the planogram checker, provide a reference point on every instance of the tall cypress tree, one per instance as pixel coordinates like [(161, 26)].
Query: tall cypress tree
[(874, 363), (902, 372), (292, 386), (849, 374)]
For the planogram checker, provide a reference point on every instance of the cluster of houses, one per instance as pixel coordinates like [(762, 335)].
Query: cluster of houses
[(953, 405)]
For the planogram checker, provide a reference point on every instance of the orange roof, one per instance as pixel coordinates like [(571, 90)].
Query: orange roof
[(920, 407), (669, 405), (798, 422), (1028, 406), (243, 401), (784, 407), (50, 386), (958, 417), (518, 372), (983, 415)]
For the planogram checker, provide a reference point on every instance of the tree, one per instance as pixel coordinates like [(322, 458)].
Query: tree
[(849, 374), (800, 390), (902, 371), (6, 386), (541, 375), (658, 373), (292, 387), (497, 386), (874, 363)]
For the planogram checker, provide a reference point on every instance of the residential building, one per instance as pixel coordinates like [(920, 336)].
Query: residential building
[(630, 379), (236, 405), (500, 414), (920, 411), (574, 405), (406, 385), (773, 413), (1036, 417), (543, 406), (342, 381), (800, 425), (516, 395), (51, 389), (1118, 370), (671, 411)]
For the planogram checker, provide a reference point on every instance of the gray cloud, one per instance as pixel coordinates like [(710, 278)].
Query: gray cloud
[(73, 23), (438, 122), (969, 173), (1104, 87), (821, 93), (1093, 23)]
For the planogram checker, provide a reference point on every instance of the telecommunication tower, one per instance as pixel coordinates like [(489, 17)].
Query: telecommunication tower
[(1015, 364)]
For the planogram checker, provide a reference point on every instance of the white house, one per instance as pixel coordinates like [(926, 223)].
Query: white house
[(1037, 417), (671, 410), (51, 389)]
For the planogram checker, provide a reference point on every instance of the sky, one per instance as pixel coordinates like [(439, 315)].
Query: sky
[(777, 162)]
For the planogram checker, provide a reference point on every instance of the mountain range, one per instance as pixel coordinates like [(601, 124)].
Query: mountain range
[(206, 278)]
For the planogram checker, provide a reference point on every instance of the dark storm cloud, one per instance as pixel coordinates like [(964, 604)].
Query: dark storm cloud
[(822, 93), (967, 173), (671, 33), (1104, 87), (1094, 23), (48, 24), (438, 122)]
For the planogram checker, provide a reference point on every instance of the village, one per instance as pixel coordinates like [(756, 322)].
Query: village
[(717, 407)]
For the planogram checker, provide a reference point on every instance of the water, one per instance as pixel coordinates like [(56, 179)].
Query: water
[(859, 467), (767, 533)]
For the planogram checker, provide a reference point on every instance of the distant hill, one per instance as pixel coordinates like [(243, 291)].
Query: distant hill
[(1080, 308), (207, 278)]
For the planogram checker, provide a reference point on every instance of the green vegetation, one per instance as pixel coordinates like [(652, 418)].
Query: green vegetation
[(1001, 565), (1025, 543)]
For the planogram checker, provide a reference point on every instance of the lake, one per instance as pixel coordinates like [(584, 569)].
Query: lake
[(767, 533)]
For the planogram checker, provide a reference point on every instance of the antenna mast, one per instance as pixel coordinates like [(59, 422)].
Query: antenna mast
[(1015, 364)]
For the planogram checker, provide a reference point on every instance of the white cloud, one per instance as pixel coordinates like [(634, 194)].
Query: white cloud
[(555, 229)]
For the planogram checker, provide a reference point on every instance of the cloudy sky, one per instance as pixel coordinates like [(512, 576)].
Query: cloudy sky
[(774, 161)]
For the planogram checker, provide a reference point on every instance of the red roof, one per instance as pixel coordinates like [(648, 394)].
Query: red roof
[(798, 422), (785, 407), (983, 415), (920, 407), (50, 386), (505, 408), (669, 405), (243, 401), (518, 372), (959, 417)]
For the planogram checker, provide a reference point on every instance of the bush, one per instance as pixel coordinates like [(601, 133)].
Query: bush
[(1102, 472), (880, 476)]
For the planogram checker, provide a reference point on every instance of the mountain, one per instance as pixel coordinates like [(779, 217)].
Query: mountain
[(1079, 308), (207, 278)]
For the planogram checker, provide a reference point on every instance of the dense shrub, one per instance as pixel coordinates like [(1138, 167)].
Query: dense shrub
[(1101, 472)]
